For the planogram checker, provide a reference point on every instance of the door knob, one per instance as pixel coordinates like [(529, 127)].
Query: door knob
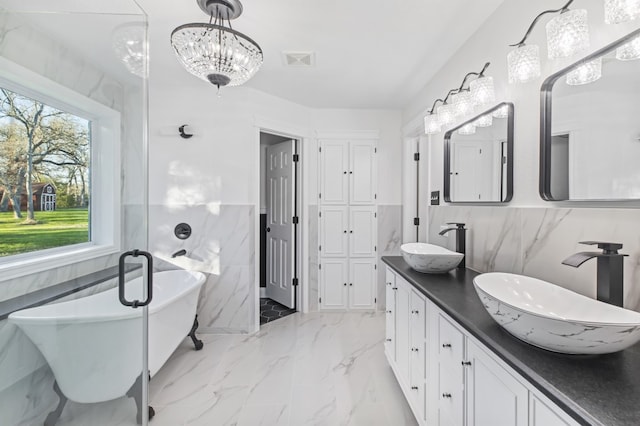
[(466, 363), (446, 395), (446, 345)]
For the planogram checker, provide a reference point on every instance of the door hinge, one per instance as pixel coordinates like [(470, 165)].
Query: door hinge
[(296, 220), (375, 266), (375, 150), (375, 214), (320, 195), (416, 156), (319, 214), (416, 221), (320, 149), (320, 300), (319, 248), (480, 150), (295, 282), (375, 248), (375, 300), (319, 266), (296, 158), (375, 196)]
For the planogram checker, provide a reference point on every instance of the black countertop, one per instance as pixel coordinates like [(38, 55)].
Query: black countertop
[(593, 389)]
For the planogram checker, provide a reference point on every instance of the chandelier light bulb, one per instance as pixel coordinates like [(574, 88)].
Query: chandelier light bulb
[(446, 114), (431, 124), (467, 129), (587, 73), (629, 51), (568, 34), (483, 91), (619, 11), (523, 63), (462, 103)]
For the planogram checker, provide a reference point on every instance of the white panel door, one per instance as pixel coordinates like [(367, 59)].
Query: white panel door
[(362, 172), (334, 231), (362, 231), (390, 312), (402, 328), (280, 208), (334, 275), (494, 397), (362, 284), (334, 172)]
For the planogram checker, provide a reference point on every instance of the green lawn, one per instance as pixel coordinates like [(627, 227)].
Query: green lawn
[(54, 229)]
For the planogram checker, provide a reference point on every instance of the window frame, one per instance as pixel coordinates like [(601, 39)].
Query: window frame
[(105, 211)]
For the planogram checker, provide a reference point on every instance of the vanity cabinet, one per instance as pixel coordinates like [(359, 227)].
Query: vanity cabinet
[(348, 284), (447, 376), (347, 172)]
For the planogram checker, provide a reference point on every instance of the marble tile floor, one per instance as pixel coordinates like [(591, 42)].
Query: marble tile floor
[(312, 369), (270, 310)]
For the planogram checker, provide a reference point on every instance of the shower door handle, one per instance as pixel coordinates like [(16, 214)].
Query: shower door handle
[(121, 279)]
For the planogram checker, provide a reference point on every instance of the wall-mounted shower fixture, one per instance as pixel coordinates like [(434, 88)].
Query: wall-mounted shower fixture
[(182, 231), (183, 133)]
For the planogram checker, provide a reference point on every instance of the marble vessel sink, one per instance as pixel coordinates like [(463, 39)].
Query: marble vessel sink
[(429, 258), (554, 318)]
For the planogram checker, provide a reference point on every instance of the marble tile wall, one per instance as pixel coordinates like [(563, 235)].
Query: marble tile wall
[(222, 246), (534, 241)]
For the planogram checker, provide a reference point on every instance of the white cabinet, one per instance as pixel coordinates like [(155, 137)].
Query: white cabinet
[(362, 288), (448, 377), (363, 231), (334, 276), (362, 172), (334, 172), (348, 223), (334, 231)]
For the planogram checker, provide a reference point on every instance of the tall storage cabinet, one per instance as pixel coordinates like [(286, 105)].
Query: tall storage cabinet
[(348, 219)]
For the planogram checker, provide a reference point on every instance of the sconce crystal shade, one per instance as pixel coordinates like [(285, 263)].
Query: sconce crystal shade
[(618, 11), (463, 103), (482, 91), (524, 63), (629, 51), (467, 129), (587, 73), (568, 34), (502, 112), (484, 121), (446, 114), (431, 124)]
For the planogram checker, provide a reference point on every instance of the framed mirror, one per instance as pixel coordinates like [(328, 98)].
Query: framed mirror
[(478, 158), (590, 127)]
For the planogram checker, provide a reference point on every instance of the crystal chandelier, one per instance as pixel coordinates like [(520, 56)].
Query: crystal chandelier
[(214, 51), (619, 11)]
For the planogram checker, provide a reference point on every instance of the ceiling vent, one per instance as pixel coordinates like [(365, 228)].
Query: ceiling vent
[(299, 59)]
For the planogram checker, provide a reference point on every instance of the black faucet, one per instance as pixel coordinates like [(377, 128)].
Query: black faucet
[(461, 238), (179, 253), (610, 288)]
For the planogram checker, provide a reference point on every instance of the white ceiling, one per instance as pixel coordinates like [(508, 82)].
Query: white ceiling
[(369, 53)]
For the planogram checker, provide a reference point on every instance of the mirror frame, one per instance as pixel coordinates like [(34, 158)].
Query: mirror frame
[(544, 187), (447, 156)]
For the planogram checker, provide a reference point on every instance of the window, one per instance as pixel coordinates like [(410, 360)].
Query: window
[(73, 212), (44, 175)]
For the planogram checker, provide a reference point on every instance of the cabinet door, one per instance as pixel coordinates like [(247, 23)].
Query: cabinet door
[(333, 283), (334, 231), (362, 284), (418, 355), (334, 172), (450, 373), (402, 328), (362, 231), (362, 172), (494, 397), (390, 312), (543, 412)]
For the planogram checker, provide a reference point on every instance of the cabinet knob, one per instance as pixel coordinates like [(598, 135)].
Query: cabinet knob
[(388, 340), (350, 173), (345, 231), (345, 172), (395, 288), (446, 395), (351, 232), (345, 284), (415, 312), (414, 388), (389, 284), (446, 345), (466, 363), (388, 312), (414, 349), (350, 284)]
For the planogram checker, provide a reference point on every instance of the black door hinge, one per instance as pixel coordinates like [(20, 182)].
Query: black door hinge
[(296, 158), (375, 300), (416, 156), (296, 220), (295, 282), (319, 248), (320, 300), (375, 150), (320, 195), (375, 196), (375, 248), (416, 221), (320, 149), (319, 214)]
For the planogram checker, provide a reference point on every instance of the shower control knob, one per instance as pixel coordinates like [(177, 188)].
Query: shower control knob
[(446, 395), (446, 345)]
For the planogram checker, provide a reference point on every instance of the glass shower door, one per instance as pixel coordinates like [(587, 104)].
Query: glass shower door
[(78, 356)]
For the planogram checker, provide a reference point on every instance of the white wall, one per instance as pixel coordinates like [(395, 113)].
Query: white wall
[(490, 44)]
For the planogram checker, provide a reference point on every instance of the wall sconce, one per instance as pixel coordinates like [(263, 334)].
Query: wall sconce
[(567, 34), (463, 99)]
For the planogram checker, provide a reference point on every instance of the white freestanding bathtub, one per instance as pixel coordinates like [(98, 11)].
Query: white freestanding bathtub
[(94, 344)]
